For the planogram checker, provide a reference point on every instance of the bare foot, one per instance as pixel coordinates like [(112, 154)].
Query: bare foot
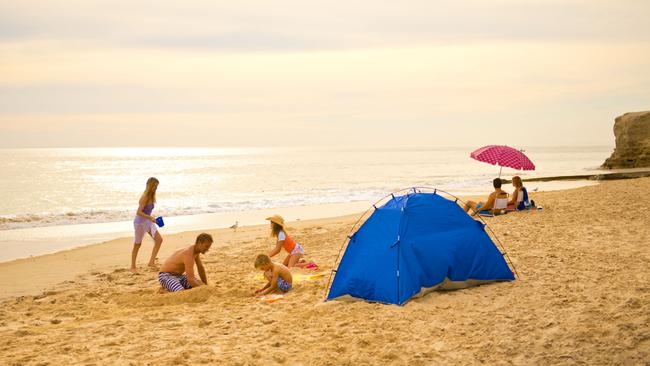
[(134, 270), (153, 266)]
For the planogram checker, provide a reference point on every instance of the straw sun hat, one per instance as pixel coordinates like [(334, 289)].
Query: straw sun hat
[(276, 219)]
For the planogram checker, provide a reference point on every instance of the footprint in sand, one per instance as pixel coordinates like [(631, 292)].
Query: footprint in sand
[(204, 323), (23, 333)]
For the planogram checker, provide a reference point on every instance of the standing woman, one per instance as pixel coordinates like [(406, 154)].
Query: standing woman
[(146, 223)]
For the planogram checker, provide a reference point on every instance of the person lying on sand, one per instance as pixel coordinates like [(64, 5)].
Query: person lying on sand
[(278, 275), (489, 205), (295, 252), (177, 273)]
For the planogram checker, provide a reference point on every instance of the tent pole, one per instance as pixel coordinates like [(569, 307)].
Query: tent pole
[(347, 239), (398, 274)]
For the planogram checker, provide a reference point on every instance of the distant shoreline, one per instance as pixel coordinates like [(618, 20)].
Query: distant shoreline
[(32, 242), (606, 176)]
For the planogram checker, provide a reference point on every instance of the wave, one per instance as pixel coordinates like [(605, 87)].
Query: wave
[(18, 221), (31, 220), (177, 207)]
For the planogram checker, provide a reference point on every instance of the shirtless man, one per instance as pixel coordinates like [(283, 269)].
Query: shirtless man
[(177, 273), (489, 205)]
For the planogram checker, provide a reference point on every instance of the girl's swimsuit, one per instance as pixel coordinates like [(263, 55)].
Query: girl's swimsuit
[(143, 225), (289, 244)]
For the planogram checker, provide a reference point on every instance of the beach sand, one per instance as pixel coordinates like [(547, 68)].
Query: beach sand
[(583, 297)]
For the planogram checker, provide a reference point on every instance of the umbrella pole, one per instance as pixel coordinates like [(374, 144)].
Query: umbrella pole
[(500, 168)]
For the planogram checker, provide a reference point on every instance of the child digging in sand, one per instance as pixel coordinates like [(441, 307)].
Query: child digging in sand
[(279, 276), (294, 250)]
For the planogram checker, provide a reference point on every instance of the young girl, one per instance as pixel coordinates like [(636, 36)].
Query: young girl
[(145, 223), (293, 249)]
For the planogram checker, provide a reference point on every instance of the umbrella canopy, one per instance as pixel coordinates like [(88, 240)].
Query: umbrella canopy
[(502, 155)]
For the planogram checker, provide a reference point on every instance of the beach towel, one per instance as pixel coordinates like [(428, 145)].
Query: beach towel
[(297, 276), (311, 266), (486, 213), (302, 277)]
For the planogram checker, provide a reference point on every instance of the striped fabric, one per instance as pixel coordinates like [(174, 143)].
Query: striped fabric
[(173, 282), (504, 156)]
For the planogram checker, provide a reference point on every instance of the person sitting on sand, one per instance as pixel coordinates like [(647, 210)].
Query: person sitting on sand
[(294, 250), (278, 275), (488, 206), (177, 273), (518, 200)]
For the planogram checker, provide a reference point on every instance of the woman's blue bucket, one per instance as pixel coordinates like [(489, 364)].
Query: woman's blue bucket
[(159, 221)]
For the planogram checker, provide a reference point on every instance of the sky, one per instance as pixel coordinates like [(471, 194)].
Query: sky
[(320, 73)]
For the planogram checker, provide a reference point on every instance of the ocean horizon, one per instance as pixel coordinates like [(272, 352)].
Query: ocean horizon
[(61, 198), (64, 186)]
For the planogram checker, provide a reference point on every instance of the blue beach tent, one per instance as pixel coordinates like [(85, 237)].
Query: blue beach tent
[(414, 243)]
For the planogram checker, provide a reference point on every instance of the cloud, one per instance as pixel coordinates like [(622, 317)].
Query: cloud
[(326, 71), (308, 25)]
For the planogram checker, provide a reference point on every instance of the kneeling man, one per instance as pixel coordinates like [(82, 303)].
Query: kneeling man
[(177, 273)]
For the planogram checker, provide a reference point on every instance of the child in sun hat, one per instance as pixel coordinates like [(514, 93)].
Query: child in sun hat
[(295, 252)]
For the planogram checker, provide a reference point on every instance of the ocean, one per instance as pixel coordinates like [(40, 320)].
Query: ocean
[(55, 188)]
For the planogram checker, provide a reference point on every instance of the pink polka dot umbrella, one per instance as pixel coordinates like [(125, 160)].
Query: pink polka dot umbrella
[(502, 155)]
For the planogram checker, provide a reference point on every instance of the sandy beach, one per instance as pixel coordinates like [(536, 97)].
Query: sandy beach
[(583, 297)]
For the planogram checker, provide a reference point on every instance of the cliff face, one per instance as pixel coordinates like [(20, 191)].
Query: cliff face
[(632, 132)]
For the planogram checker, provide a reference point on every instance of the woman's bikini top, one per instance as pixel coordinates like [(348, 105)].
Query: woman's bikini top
[(148, 208)]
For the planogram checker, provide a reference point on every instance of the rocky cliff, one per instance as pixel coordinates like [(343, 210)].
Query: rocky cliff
[(632, 132)]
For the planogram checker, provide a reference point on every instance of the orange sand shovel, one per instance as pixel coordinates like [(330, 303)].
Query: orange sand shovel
[(271, 298)]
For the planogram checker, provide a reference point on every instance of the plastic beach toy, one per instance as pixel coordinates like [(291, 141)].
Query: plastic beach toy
[(159, 221), (271, 298)]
